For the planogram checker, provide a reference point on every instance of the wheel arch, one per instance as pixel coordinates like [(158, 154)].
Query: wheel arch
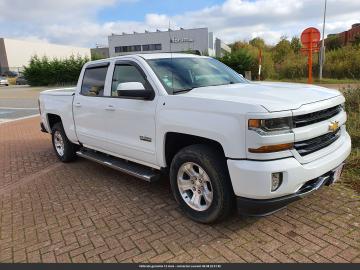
[(52, 119), (175, 141)]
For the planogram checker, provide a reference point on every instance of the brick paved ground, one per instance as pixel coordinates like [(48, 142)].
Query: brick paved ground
[(54, 212)]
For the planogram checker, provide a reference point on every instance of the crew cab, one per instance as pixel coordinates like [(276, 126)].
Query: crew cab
[(224, 141)]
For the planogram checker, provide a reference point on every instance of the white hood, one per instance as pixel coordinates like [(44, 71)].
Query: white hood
[(271, 96)]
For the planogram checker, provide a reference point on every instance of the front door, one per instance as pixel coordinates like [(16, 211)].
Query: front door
[(130, 122)]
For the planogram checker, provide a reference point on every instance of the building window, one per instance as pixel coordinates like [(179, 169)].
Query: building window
[(137, 48), (152, 47), (133, 48)]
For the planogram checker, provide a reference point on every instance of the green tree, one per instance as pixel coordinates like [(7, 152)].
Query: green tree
[(257, 42), (295, 44), (44, 72), (238, 45), (281, 50), (333, 43), (356, 42), (240, 60)]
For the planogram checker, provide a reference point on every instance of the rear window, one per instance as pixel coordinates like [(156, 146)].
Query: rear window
[(94, 81)]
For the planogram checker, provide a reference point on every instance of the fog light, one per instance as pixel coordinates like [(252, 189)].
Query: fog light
[(276, 180)]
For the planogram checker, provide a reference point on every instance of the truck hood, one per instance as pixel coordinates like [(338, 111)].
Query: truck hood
[(272, 96)]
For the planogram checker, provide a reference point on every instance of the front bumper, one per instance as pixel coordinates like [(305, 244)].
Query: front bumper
[(251, 180), (251, 207)]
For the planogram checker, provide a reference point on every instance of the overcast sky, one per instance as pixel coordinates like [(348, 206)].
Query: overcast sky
[(89, 22)]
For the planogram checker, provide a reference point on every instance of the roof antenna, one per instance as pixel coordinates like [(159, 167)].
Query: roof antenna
[(171, 59)]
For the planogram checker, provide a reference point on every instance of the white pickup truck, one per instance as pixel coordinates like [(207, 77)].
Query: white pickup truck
[(224, 141)]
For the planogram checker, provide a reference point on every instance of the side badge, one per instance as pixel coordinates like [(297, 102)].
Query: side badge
[(146, 139)]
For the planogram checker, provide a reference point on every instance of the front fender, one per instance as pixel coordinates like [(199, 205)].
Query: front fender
[(223, 128)]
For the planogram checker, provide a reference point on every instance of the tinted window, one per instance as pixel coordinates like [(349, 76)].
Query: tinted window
[(126, 73), (94, 82)]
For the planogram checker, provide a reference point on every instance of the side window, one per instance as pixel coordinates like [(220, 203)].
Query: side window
[(94, 82), (126, 73)]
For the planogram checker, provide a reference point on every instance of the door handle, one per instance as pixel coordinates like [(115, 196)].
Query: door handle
[(110, 108), (77, 104)]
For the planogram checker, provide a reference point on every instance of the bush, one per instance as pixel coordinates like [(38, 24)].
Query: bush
[(352, 168), (45, 72), (294, 67), (241, 60), (244, 57), (343, 63)]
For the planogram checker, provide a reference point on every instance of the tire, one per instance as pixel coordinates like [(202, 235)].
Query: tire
[(214, 184), (64, 149)]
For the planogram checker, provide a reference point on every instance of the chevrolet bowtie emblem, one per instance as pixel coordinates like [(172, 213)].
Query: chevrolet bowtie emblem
[(334, 125)]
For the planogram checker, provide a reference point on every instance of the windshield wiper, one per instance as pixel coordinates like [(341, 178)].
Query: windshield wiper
[(183, 90), (191, 88)]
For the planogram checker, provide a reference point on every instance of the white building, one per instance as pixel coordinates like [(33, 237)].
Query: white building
[(15, 54), (198, 40)]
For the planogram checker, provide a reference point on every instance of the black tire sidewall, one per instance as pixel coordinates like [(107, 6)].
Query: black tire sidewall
[(69, 148), (214, 167)]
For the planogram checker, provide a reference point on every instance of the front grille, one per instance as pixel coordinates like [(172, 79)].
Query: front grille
[(312, 145), (315, 117)]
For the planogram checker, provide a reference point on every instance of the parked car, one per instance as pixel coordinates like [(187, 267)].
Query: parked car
[(222, 140), (4, 81), (21, 80), (10, 74)]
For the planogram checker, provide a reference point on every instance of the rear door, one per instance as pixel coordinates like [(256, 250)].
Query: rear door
[(89, 106)]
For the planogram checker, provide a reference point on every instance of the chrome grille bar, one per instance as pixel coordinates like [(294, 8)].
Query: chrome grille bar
[(315, 117), (312, 145)]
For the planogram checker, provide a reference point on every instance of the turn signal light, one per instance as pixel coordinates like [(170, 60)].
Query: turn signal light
[(254, 123), (272, 148)]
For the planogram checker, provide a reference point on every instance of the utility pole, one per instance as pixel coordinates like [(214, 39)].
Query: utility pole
[(322, 51)]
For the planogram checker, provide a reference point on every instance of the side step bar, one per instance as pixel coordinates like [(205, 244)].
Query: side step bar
[(128, 167)]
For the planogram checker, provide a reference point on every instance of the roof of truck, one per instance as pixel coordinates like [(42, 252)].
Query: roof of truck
[(166, 55), (147, 56)]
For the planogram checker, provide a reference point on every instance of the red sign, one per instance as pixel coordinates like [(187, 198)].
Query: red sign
[(310, 38)]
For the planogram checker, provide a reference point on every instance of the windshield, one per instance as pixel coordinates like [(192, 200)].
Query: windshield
[(184, 74)]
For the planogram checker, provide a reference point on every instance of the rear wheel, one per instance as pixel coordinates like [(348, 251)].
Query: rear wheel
[(64, 149), (201, 184)]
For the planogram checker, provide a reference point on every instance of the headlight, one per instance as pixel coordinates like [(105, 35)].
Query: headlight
[(274, 125)]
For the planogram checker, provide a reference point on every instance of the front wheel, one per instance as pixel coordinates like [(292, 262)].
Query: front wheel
[(200, 183), (64, 149)]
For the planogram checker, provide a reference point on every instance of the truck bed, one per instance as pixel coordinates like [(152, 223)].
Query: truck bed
[(60, 92), (59, 102)]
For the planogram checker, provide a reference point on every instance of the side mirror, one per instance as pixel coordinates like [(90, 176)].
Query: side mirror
[(134, 90)]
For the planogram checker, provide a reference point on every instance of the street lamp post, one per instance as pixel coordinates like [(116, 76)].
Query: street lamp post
[(322, 51)]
